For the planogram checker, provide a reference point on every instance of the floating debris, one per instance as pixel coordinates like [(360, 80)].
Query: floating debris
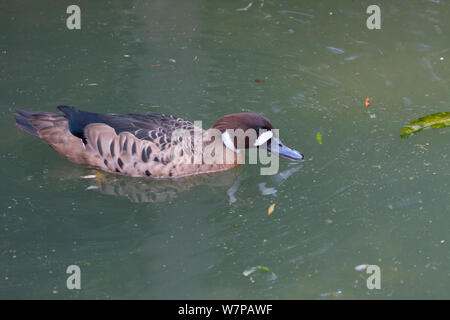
[(329, 294), (272, 277), (172, 60), (361, 267), (271, 208), (319, 137), (259, 81), (249, 271), (245, 8), (91, 176), (435, 121), (262, 268), (351, 58), (367, 102), (336, 50)]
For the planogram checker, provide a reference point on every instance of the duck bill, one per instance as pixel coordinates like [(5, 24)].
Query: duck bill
[(284, 151)]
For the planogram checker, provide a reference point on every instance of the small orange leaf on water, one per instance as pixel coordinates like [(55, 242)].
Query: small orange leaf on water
[(367, 102), (271, 208)]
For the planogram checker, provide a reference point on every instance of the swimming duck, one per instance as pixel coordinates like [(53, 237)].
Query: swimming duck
[(149, 145)]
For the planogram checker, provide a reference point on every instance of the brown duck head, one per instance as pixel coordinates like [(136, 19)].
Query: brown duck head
[(265, 135)]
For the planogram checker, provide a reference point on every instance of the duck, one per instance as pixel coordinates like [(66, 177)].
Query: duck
[(151, 145)]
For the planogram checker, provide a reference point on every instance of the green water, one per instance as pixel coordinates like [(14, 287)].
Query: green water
[(363, 196)]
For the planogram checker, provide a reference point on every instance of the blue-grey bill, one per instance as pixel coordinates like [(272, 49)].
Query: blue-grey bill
[(285, 152)]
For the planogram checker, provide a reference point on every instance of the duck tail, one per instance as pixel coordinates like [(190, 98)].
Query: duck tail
[(23, 121), (33, 121)]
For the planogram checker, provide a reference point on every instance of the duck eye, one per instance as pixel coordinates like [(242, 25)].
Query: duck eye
[(275, 141)]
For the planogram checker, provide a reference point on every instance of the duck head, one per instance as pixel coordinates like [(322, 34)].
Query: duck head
[(265, 134)]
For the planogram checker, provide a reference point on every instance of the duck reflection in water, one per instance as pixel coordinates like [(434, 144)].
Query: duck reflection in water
[(143, 190)]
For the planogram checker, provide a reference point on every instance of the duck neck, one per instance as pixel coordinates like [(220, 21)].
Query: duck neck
[(221, 150)]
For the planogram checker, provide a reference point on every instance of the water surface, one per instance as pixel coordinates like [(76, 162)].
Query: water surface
[(363, 196)]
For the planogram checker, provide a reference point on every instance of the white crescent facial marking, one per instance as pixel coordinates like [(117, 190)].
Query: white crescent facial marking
[(226, 139), (263, 138)]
